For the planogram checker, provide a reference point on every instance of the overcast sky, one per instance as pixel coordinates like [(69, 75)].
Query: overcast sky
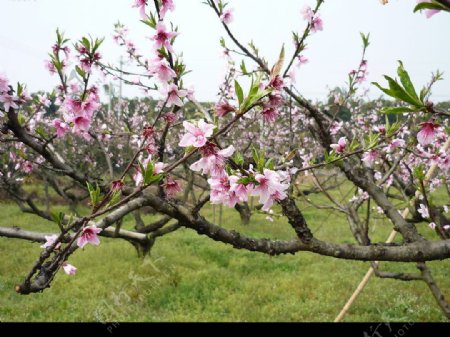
[(27, 31)]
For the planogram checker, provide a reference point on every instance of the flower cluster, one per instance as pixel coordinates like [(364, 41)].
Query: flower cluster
[(8, 101), (77, 114), (228, 187), (313, 19)]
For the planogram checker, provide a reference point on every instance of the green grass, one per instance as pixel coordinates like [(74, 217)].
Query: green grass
[(192, 278)]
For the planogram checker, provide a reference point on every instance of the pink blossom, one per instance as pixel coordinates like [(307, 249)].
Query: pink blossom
[(307, 13), (27, 167), (196, 135), (394, 144), (159, 168), (89, 235), (427, 133), (69, 269), (8, 102), (370, 157), (276, 83), (61, 128), (223, 108), (275, 100), (340, 146), (90, 105), (446, 227), (170, 117), (335, 128), (227, 16), (302, 60), (221, 193), (191, 93), (173, 95), (81, 124), (4, 83), (162, 70), (240, 190), (444, 163), (163, 37), (269, 188), (423, 211), (73, 105), (270, 115), (117, 185), (141, 5), (50, 67), (50, 240), (213, 160), (167, 5), (432, 225), (171, 186), (316, 24)]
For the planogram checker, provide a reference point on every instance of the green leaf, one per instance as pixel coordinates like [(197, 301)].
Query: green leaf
[(400, 93), (243, 68), (239, 92), (365, 39), (406, 82), (255, 155), (58, 217), (419, 172), (385, 90), (85, 42), (430, 5), (270, 164), (238, 158), (397, 110), (80, 71), (94, 193)]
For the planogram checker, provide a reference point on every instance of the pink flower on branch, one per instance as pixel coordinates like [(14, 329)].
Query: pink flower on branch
[(141, 5), (61, 127), (81, 124), (4, 83), (50, 67), (163, 37), (270, 188), (307, 13), (50, 240), (8, 102), (270, 114), (223, 108), (316, 24), (370, 157), (69, 269), (427, 133), (196, 136), (227, 16), (173, 95), (167, 5), (171, 186), (89, 235), (423, 211), (314, 20), (339, 148), (162, 70), (213, 160)]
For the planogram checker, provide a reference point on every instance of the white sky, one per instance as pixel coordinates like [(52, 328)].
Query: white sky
[(27, 31)]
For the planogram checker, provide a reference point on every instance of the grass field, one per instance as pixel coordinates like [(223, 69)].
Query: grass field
[(192, 278)]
